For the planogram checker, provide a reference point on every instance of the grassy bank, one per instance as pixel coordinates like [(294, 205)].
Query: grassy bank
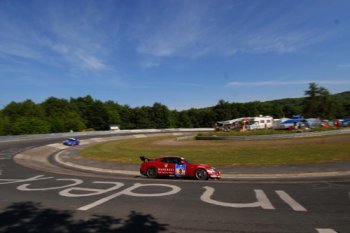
[(226, 153)]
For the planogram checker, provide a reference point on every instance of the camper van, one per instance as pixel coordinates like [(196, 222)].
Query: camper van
[(260, 122), (245, 123)]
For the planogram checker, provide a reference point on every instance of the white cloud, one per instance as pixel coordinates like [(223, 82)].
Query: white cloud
[(149, 64), (192, 30), (344, 65), (91, 62), (286, 83)]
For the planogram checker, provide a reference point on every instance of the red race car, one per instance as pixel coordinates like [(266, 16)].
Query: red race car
[(176, 167)]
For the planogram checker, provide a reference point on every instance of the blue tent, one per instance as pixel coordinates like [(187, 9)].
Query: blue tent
[(292, 121)]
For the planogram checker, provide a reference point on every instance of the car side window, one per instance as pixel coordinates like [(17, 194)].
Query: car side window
[(175, 160), (164, 160)]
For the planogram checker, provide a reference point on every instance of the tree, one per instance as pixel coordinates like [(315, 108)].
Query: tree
[(62, 115), (93, 112), (143, 118), (97, 117), (222, 111), (161, 116), (30, 125), (113, 113), (318, 102), (183, 120), (5, 125), (27, 108), (127, 116)]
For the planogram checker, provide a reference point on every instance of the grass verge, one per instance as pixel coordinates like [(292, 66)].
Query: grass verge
[(226, 153)]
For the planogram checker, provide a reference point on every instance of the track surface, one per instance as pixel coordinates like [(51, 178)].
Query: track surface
[(42, 201)]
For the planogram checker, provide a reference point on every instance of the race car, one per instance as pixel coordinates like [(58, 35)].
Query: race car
[(71, 142), (176, 167)]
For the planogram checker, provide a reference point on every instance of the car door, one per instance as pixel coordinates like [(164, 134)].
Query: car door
[(166, 167)]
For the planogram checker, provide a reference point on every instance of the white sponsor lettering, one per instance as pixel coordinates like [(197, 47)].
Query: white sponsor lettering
[(129, 192), (262, 200)]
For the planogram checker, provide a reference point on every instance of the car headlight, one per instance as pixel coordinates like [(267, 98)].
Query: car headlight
[(212, 170)]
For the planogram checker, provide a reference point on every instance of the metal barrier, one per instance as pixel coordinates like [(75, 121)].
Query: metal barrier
[(98, 133), (276, 136)]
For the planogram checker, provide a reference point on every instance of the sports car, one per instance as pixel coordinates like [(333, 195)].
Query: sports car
[(71, 142), (176, 167)]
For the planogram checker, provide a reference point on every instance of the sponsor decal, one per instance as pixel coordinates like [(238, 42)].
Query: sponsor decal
[(166, 170), (180, 170)]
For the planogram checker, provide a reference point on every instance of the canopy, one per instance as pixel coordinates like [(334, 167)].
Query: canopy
[(292, 121)]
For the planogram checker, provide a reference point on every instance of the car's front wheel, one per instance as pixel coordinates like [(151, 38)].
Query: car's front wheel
[(151, 172), (201, 174)]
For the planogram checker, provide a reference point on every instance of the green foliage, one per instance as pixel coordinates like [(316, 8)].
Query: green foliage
[(318, 102), (62, 115), (5, 125), (30, 125), (78, 114)]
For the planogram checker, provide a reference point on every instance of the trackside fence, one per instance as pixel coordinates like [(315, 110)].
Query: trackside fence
[(17, 138)]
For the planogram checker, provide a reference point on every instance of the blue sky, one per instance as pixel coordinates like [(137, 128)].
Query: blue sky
[(182, 53)]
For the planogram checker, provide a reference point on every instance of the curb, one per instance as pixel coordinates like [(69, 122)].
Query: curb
[(247, 176)]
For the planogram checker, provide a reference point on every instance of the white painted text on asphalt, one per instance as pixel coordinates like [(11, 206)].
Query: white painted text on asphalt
[(73, 190)]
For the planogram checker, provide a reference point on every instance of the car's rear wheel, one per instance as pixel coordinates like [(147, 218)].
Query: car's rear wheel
[(151, 172), (201, 174)]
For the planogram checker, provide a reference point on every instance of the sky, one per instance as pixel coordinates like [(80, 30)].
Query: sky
[(181, 53)]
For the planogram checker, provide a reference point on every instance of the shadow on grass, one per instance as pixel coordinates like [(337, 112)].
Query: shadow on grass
[(31, 217)]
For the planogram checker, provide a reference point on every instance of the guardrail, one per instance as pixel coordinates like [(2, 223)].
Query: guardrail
[(175, 130), (276, 136), (98, 133)]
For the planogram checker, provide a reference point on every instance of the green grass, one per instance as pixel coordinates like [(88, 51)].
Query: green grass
[(226, 153)]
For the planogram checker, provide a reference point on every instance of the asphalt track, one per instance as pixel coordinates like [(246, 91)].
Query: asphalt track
[(45, 187)]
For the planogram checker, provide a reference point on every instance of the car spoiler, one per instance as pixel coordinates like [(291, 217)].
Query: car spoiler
[(144, 159)]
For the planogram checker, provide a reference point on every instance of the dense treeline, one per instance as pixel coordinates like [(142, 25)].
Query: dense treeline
[(85, 113)]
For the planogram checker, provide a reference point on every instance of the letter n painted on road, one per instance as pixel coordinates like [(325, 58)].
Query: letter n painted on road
[(262, 200)]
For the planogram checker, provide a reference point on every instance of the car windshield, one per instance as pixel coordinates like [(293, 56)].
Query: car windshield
[(186, 161)]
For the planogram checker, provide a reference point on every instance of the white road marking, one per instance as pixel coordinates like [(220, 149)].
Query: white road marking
[(90, 191), (290, 201), (129, 192), (324, 230), (24, 187), (34, 178), (262, 202)]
